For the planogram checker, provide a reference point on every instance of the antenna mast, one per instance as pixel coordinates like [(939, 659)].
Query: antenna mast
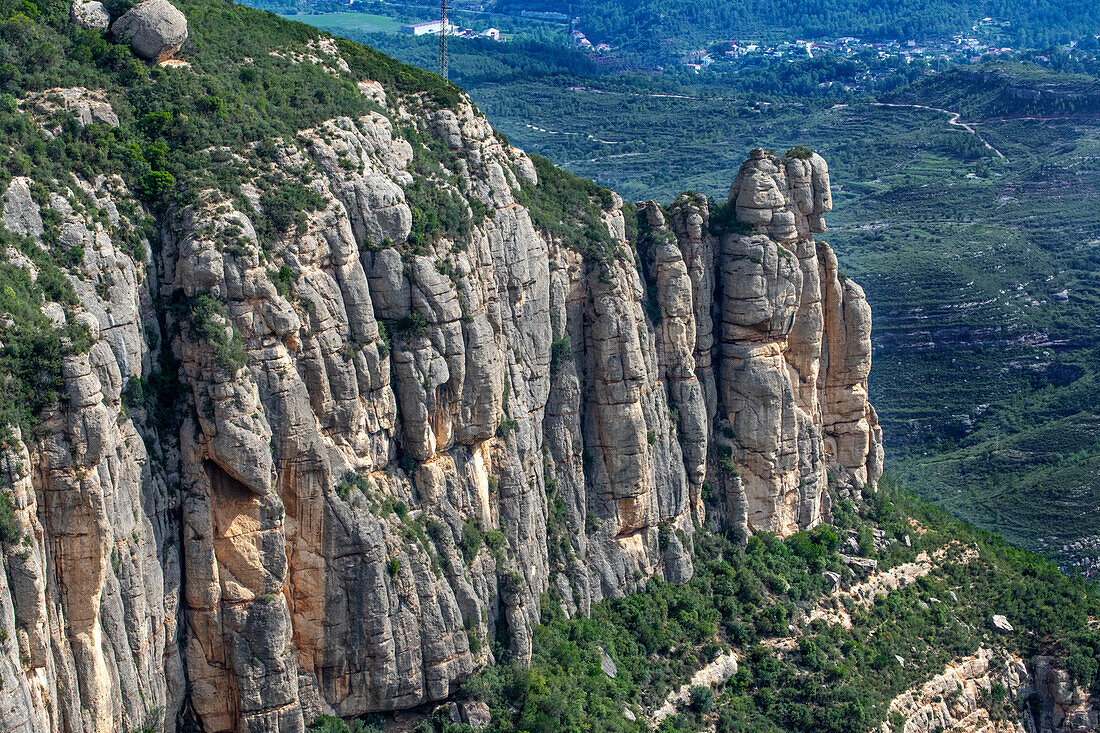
[(443, 8)]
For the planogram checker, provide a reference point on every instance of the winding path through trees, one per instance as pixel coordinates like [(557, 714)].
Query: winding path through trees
[(954, 121)]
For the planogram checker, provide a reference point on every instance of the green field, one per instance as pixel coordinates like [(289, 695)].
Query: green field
[(350, 23)]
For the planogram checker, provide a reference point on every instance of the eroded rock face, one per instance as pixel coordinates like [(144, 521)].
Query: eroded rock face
[(379, 453), (962, 698), (155, 29), (783, 362), (89, 594)]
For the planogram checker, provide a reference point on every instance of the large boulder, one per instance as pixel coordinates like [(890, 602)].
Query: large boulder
[(476, 714), (155, 29)]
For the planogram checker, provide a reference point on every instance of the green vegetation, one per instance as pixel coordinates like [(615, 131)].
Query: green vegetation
[(436, 209), (657, 24), (839, 680), (33, 350), (472, 537), (348, 23), (10, 529), (560, 352), (329, 724), (414, 325), (568, 208), (210, 322), (287, 205), (353, 481), (800, 152), (995, 90)]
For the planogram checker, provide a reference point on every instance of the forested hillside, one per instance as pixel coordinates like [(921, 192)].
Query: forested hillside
[(652, 23), (810, 658)]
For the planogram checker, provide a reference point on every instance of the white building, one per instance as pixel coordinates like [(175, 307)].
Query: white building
[(423, 29), (492, 33)]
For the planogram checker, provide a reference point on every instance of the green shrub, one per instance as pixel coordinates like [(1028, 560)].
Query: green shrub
[(352, 481), (329, 724), (494, 539), (701, 698), (210, 322), (156, 185), (384, 343), (560, 351), (472, 537), (285, 205), (506, 426), (726, 465), (801, 152), (283, 280), (414, 325), (32, 350), (10, 529)]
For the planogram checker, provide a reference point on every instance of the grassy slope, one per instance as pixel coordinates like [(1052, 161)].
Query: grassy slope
[(347, 23)]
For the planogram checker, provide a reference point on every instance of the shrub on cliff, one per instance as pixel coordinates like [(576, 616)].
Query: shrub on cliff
[(10, 530), (210, 322)]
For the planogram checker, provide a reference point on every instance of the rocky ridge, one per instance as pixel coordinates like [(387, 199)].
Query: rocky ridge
[(971, 696), (389, 444)]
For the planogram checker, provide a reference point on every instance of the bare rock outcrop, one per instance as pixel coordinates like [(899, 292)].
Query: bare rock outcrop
[(976, 694), (91, 15), (783, 364)]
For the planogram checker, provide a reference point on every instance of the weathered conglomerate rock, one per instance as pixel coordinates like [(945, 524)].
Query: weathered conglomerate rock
[(91, 15), (782, 364), (381, 453)]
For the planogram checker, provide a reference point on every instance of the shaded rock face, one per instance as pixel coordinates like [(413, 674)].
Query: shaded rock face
[(155, 29), (380, 455)]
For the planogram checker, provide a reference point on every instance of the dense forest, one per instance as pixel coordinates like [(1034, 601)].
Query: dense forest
[(825, 79)]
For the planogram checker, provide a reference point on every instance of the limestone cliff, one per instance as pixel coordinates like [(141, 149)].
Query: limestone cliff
[(376, 443)]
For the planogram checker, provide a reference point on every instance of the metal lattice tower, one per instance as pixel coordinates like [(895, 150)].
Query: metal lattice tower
[(443, 8)]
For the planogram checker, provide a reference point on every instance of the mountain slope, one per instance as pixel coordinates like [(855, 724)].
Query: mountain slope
[(317, 386), (319, 395)]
